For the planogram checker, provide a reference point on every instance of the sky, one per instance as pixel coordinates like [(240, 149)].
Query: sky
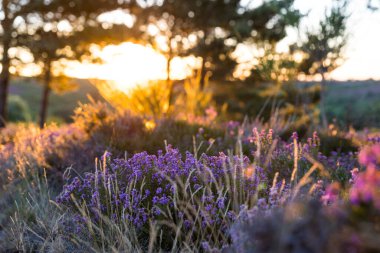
[(363, 50), (129, 63)]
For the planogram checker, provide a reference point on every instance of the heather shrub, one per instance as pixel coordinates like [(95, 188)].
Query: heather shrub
[(341, 220), (26, 148), (193, 199), (190, 199), (187, 198), (294, 158), (298, 227), (109, 129), (122, 132), (305, 226)]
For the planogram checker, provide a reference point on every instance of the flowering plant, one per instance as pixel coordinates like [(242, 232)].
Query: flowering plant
[(198, 195)]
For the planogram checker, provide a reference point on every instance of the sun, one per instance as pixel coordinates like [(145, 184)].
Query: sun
[(128, 65), (131, 64)]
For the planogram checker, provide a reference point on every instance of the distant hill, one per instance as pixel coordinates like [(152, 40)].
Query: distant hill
[(355, 103), (350, 103), (61, 106)]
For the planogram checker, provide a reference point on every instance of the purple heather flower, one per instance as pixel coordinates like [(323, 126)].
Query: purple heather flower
[(187, 224), (295, 136), (159, 190), (332, 194), (149, 175), (156, 211), (220, 203)]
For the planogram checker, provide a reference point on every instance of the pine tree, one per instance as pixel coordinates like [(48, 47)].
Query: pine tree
[(49, 47), (33, 16), (323, 49)]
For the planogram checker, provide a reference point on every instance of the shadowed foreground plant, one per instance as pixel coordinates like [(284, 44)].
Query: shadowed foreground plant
[(36, 222), (298, 227), (332, 225)]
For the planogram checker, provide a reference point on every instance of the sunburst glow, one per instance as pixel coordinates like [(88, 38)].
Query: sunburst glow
[(129, 64)]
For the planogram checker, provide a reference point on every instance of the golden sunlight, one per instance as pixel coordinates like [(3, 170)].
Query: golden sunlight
[(128, 65)]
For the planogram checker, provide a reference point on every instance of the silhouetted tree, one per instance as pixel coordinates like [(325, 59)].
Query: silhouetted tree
[(324, 47), (11, 11), (373, 4), (212, 29), (26, 17), (49, 47), (265, 23)]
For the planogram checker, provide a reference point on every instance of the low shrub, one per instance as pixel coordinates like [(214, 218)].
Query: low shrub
[(183, 199), (189, 198), (28, 149), (335, 223), (194, 199)]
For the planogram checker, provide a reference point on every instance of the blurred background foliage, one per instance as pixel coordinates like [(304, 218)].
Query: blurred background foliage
[(265, 88)]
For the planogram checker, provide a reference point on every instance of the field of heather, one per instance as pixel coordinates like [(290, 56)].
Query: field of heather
[(110, 183), (189, 126)]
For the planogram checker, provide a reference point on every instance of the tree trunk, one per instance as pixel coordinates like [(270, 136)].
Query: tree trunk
[(203, 74), (45, 95), (4, 85), (168, 70), (169, 82), (322, 102), (6, 24)]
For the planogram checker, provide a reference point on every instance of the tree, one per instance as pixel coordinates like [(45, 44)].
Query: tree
[(177, 23), (11, 10), (373, 4), (211, 30), (257, 25), (32, 15), (167, 38), (323, 48), (50, 47)]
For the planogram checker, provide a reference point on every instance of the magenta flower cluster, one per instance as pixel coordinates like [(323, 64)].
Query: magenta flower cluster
[(366, 185)]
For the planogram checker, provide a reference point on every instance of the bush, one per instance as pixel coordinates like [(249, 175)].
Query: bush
[(189, 199), (167, 202), (336, 143), (305, 226), (27, 149), (122, 132), (18, 109), (193, 200), (332, 224)]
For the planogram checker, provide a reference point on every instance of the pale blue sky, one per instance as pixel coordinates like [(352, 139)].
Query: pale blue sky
[(363, 50)]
